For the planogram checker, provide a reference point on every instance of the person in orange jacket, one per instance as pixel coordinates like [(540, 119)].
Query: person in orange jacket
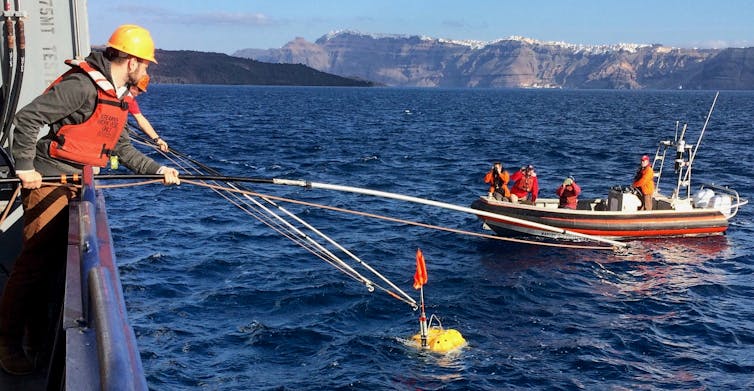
[(644, 180), (569, 193), (498, 179)]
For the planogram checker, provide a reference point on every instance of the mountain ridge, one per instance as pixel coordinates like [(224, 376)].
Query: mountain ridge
[(514, 62), (193, 67)]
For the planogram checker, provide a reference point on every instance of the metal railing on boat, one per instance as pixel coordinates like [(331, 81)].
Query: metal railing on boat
[(100, 346), (736, 200)]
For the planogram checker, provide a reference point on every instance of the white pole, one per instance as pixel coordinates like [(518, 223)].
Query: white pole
[(444, 205), (693, 155)]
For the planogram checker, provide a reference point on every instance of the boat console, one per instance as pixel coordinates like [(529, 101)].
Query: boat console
[(623, 199)]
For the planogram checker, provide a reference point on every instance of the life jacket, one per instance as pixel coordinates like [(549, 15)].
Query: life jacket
[(92, 141), (526, 183)]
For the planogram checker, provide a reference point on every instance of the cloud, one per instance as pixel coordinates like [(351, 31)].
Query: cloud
[(235, 18), (168, 15), (720, 44), (475, 26), (455, 24)]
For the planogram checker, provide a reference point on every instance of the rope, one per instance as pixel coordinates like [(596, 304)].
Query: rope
[(287, 230), (397, 220), (217, 189), (281, 225), (9, 205), (130, 184)]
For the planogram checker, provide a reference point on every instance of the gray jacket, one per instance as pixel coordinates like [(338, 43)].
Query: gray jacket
[(72, 101)]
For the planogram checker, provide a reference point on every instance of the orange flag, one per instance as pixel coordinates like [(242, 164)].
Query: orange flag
[(420, 277)]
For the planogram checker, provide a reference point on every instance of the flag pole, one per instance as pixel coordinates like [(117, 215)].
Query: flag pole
[(423, 320), (420, 278)]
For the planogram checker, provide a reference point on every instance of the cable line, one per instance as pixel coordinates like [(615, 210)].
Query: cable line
[(260, 207)]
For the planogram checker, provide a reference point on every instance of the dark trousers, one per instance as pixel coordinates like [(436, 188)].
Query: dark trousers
[(499, 196), (24, 305), (646, 202)]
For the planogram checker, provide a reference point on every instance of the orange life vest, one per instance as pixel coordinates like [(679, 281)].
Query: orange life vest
[(92, 141)]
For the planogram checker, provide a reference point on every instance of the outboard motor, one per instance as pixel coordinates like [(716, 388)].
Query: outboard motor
[(703, 197), (721, 202), (707, 198)]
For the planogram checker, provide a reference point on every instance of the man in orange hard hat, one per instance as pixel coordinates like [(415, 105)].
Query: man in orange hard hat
[(86, 115)]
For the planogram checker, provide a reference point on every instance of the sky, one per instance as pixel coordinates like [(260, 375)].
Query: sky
[(228, 25)]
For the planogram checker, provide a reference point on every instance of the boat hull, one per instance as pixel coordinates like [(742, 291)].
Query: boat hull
[(605, 224)]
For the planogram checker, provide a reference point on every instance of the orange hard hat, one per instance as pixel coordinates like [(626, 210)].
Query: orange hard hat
[(143, 83), (134, 40)]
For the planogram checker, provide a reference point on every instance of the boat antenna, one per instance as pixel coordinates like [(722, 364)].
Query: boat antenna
[(677, 124), (680, 147), (699, 141), (683, 131)]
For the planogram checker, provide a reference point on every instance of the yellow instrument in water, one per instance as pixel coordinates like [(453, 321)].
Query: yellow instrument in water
[(441, 340), (435, 338)]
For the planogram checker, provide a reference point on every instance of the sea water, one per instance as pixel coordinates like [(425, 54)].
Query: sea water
[(219, 301)]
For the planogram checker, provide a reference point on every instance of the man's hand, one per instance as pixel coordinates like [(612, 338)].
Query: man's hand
[(170, 176), (162, 144), (30, 179)]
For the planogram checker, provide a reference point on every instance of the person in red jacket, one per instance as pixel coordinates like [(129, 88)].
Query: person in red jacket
[(525, 184), (498, 179), (644, 180), (569, 193), (133, 109)]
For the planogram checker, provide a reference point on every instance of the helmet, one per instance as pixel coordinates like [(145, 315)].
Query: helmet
[(143, 83), (134, 40)]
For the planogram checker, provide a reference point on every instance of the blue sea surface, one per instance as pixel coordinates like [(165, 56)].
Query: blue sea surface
[(219, 301)]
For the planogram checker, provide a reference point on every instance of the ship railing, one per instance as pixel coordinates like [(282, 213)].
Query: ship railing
[(100, 345)]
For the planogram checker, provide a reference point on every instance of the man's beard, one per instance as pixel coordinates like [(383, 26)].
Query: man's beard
[(135, 76)]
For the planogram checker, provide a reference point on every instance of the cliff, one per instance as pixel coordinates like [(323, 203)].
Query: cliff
[(515, 62)]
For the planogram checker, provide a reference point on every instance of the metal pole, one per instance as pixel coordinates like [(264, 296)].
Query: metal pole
[(423, 319), (445, 205), (696, 147), (377, 193)]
